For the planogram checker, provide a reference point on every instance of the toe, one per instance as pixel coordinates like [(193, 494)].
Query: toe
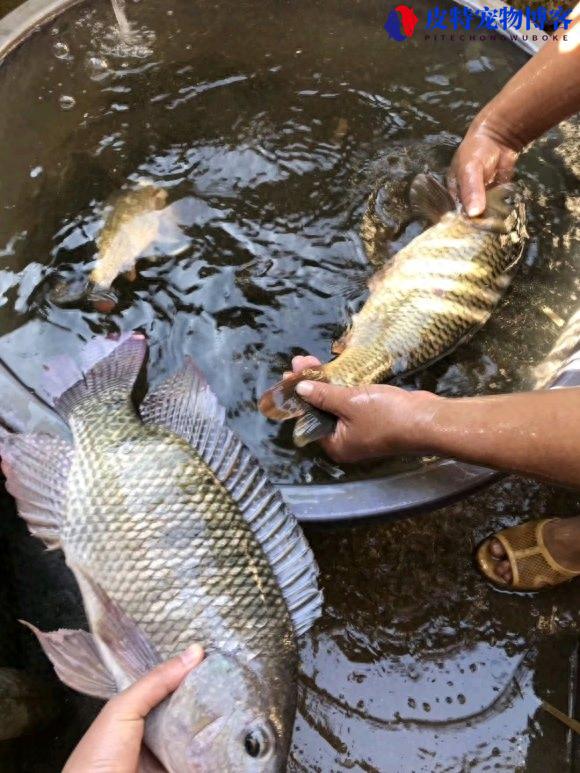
[(504, 571), (496, 549)]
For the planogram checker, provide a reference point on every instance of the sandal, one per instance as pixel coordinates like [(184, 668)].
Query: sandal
[(532, 565)]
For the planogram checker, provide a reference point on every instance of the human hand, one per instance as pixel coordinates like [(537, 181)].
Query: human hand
[(484, 158), (113, 743), (373, 421)]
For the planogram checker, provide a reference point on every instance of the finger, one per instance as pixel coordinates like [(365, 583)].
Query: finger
[(327, 397), (286, 374), (137, 701), (301, 362), (472, 187)]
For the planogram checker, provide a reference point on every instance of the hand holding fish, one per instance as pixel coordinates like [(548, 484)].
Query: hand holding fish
[(373, 421), (532, 433), (113, 743), (484, 158), (527, 106)]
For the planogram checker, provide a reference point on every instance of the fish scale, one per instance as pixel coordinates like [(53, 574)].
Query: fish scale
[(211, 535)]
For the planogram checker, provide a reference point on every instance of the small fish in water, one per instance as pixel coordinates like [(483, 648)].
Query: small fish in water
[(26, 703), (433, 295), (140, 225), (175, 536)]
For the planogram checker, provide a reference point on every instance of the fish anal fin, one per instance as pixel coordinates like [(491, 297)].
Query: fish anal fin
[(77, 661), (429, 198), (36, 467), (128, 646), (185, 404)]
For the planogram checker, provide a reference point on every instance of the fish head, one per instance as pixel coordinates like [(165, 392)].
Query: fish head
[(226, 716), (103, 299), (67, 294), (148, 198)]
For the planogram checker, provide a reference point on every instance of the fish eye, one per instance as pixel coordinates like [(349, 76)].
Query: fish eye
[(257, 743)]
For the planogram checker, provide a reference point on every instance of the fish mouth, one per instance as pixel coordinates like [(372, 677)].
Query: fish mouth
[(103, 300), (68, 294), (83, 292)]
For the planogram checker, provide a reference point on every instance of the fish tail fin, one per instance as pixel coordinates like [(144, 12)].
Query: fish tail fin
[(108, 369), (281, 402), (313, 425)]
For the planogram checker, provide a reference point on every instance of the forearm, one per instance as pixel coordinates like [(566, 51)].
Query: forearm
[(544, 92), (535, 433)]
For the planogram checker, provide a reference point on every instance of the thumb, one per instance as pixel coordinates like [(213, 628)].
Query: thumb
[(328, 397), (138, 700), (472, 187)]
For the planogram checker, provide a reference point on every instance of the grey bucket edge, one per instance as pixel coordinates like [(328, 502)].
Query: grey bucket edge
[(432, 485)]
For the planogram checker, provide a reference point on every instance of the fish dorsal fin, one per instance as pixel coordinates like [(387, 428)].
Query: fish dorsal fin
[(185, 404), (108, 369), (36, 467), (429, 199)]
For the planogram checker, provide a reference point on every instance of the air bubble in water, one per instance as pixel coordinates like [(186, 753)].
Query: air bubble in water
[(61, 50), (67, 102), (97, 66)]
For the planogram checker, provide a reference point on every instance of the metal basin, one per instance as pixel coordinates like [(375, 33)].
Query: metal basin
[(430, 485)]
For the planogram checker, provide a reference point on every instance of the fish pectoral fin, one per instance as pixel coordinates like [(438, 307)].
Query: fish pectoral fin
[(429, 199), (36, 467), (77, 661), (128, 646)]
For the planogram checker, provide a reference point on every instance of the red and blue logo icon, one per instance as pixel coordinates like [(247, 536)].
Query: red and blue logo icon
[(401, 23)]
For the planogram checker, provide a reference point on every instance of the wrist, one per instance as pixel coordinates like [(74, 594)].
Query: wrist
[(421, 434), (492, 125)]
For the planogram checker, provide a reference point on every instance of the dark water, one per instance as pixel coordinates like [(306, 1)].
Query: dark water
[(267, 130), (417, 665)]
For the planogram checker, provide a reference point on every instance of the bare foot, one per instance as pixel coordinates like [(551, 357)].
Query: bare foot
[(562, 539)]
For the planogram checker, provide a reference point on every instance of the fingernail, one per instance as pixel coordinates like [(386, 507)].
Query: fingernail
[(472, 210), (305, 388), (192, 655)]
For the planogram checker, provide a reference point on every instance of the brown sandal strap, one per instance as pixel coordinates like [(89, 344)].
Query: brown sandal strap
[(532, 565)]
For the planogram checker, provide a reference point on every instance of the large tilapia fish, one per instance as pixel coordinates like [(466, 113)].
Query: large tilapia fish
[(139, 225), (175, 536), (433, 295)]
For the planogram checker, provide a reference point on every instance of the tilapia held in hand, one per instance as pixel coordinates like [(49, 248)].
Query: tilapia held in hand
[(433, 295), (175, 536)]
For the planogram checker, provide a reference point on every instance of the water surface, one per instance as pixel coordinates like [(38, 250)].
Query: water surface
[(267, 130)]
